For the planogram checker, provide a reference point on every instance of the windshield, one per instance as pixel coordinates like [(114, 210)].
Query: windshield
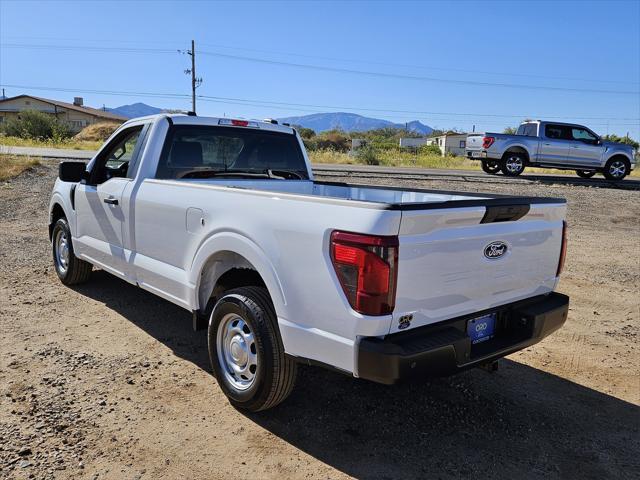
[(192, 151)]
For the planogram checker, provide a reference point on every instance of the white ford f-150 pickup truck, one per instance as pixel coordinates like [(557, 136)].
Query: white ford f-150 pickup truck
[(224, 218)]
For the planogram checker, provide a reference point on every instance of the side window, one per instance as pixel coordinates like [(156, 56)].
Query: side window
[(115, 158), (583, 135), (557, 132)]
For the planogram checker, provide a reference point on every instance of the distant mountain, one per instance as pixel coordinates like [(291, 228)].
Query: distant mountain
[(135, 110), (350, 122)]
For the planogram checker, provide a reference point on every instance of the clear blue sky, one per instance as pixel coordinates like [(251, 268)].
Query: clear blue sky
[(572, 56)]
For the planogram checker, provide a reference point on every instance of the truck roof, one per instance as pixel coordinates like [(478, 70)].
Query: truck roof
[(184, 119), (551, 121)]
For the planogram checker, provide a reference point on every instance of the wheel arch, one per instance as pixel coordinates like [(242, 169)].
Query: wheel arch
[(231, 260), (56, 212), (517, 149)]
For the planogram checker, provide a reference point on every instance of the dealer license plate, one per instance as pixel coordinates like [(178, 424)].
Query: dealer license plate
[(481, 328)]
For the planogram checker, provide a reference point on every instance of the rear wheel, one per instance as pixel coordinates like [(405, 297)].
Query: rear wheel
[(492, 167), (246, 351), (616, 169), (585, 173), (513, 164), (70, 269)]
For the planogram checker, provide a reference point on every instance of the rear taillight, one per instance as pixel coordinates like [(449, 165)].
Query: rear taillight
[(487, 142), (563, 249), (367, 268)]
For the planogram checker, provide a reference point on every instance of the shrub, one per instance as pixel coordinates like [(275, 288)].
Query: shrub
[(332, 140), (36, 125), (430, 150), (367, 155)]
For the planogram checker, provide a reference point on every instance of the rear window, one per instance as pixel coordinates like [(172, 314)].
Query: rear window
[(528, 130), (192, 150)]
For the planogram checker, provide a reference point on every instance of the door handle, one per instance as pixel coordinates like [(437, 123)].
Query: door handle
[(111, 201)]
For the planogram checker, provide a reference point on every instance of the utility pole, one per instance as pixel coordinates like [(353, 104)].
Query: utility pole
[(193, 76), (195, 82)]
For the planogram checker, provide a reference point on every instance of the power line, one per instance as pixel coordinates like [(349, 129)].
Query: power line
[(332, 69), (293, 106), (423, 67), (416, 77), (291, 54), (88, 48), (418, 112)]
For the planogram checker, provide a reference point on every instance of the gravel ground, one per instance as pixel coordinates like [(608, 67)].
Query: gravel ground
[(108, 381)]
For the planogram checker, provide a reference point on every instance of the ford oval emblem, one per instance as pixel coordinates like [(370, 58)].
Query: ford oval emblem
[(495, 250)]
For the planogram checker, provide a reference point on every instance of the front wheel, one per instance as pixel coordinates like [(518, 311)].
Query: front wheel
[(616, 169), (70, 269), (585, 173), (492, 167), (246, 351), (513, 164)]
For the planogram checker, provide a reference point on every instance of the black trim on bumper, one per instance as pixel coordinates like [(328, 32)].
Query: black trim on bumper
[(445, 348)]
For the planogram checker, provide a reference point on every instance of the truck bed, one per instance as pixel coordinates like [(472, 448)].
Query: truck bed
[(381, 197)]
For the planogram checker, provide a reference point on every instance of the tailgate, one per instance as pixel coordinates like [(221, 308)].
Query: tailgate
[(474, 142), (458, 261)]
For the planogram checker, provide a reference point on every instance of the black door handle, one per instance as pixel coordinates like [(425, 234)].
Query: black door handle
[(111, 201)]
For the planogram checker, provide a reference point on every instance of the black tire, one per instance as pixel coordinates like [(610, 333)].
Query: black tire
[(275, 372), (585, 173), (492, 167), (512, 164), (616, 169), (70, 269)]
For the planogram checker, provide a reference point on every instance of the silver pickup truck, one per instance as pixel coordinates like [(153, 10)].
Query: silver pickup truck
[(553, 145)]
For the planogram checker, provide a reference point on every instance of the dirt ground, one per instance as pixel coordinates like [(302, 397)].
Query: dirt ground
[(106, 381)]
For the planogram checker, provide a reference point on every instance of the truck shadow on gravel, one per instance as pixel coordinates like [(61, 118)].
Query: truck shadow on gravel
[(628, 183), (519, 422)]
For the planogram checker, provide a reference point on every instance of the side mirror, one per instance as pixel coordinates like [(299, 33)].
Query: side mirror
[(72, 171)]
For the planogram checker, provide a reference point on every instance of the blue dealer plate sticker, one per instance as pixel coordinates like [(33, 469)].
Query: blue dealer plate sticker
[(482, 328)]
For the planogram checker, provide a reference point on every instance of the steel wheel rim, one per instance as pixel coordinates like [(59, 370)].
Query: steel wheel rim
[(61, 249), (514, 164), (237, 351), (617, 169)]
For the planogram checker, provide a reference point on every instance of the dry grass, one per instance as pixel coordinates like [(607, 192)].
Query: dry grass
[(12, 165), (71, 143), (98, 132), (394, 158)]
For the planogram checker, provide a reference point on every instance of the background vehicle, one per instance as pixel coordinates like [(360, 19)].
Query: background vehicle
[(223, 218), (556, 145), (474, 151)]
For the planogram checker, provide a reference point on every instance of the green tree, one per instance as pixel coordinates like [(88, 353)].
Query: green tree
[(305, 133), (510, 130), (626, 140)]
